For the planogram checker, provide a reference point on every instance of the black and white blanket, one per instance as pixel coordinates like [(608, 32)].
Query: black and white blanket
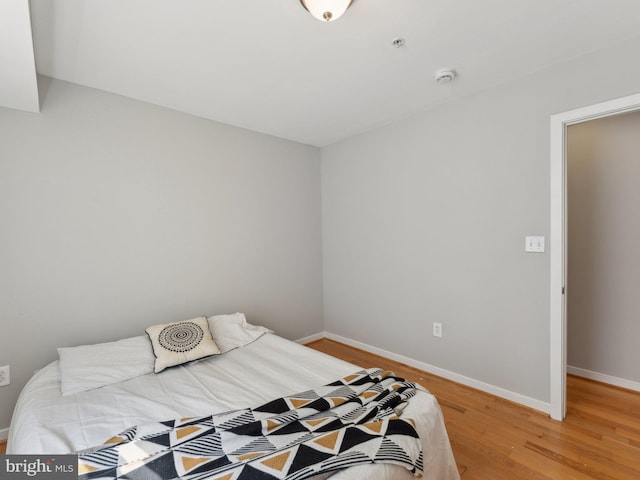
[(352, 421)]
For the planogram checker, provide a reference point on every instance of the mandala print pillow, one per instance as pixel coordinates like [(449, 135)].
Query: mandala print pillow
[(181, 342)]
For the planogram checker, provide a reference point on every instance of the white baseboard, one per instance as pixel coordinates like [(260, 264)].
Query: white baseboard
[(544, 407), (601, 377), (4, 434), (312, 338)]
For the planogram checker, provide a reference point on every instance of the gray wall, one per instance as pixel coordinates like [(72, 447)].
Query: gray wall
[(424, 220), (603, 306), (116, 214)]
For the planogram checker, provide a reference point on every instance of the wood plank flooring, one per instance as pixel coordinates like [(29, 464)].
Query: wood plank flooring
[(496, 439), (3, 447)]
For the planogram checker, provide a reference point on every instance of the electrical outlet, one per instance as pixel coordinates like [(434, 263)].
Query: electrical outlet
[(437, 329), (5, 377)]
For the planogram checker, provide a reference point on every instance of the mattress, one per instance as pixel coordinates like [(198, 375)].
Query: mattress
[(45, 422)]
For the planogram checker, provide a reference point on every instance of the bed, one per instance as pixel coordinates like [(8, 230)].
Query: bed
[(255, 367)]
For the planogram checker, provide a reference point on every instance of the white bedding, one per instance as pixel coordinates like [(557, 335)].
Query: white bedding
[(45, 422)]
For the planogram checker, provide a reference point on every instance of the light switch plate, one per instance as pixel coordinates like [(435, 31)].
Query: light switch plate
[(5, 378), (534, 244)]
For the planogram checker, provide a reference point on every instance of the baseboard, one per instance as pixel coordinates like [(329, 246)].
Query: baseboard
[(4, 434), (544, 407), (312, 338), (601, 377)]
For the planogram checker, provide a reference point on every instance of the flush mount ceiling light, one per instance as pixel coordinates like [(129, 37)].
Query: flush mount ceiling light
[(326, 10), (446, 75)]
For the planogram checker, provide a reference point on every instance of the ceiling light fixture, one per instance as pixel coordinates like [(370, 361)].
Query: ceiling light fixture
[(326, 10), (446, 75)]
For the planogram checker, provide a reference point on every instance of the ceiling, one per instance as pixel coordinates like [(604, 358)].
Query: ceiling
[(269, 66)]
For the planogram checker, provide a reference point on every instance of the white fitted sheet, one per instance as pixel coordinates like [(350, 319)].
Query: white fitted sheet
[(45, 422)]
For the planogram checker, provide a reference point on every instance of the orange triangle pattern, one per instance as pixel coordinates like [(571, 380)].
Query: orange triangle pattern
[(183, 432), (328, 441), (299, 402), (278, 462), (190, 463), (114, 440), (315, 423), (271, 425), (374, 426), (84, 468)]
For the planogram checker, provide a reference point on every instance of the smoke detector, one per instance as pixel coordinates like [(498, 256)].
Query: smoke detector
[(445, 75)]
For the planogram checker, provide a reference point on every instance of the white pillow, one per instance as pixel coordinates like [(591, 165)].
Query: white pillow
[(233, 331), (181, 342), (93, 366), (88, 367)]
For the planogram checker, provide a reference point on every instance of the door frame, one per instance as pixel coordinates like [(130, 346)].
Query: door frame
[(558, 238)]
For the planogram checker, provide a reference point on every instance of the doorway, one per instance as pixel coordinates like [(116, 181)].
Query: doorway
[(558, 237)]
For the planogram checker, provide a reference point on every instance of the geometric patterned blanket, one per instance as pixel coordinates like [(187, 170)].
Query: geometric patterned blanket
[(352, 421)]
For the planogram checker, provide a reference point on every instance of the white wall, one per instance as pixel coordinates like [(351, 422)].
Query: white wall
[(603, 193), (18, 82), (424, 220), (116, 214)]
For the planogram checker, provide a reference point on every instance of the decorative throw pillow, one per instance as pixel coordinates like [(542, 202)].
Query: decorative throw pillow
[(181, 342)]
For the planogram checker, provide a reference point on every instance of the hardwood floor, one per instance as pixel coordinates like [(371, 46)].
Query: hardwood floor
[(3, 447), (496, 439)]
